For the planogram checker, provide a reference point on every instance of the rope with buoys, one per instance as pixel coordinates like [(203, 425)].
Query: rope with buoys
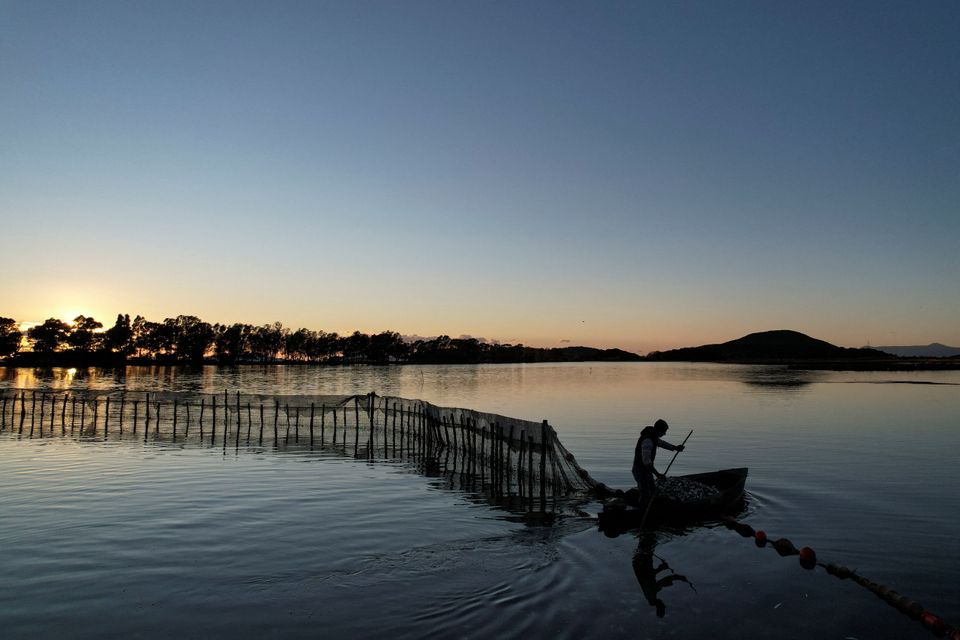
[(808, 560)]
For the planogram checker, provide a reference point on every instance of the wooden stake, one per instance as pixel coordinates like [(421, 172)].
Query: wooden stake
[(43, 398), (543, 466), (530, 471), (356, 417), (213, 420), (123, 401), (520, 477), (23, 410), (276, 418)]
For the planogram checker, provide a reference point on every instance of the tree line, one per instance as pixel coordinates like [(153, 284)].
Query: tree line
[(190, 340)]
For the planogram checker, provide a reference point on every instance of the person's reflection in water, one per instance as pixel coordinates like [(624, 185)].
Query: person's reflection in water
[(647, 574)]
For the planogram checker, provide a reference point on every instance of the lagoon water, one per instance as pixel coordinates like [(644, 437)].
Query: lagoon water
[(148, 540)]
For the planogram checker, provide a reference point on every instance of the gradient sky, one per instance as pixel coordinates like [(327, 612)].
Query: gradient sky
[(646, 175)]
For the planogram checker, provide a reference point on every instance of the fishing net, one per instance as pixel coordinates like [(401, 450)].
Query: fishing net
[(474, 450)]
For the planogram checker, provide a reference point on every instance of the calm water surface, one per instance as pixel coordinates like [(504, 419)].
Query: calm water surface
[(134, 539)]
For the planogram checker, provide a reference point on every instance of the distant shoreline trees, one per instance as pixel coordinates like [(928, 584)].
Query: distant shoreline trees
[(190, 340)]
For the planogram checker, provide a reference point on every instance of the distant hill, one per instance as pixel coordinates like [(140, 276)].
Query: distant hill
[(933, 350), (766, 346), (582, 354)]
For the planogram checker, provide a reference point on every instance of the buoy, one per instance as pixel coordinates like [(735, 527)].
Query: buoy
[(808, 558), (744, 530), (933, 622), (760, 538), (843, 572), (912, 607), (784, 547)]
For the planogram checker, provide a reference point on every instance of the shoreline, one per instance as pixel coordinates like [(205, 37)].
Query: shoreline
[(895, 364)]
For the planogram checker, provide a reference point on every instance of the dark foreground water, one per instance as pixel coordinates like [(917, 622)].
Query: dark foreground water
[(134, 539)]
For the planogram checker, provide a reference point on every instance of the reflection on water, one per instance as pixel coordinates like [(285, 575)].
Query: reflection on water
[(273, 544), (780, 378), (649, 577)]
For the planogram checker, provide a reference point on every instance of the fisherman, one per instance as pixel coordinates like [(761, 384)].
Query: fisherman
[(644, 455)]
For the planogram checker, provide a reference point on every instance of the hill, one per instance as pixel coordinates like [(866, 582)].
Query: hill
[(768, 346), (932, 350)]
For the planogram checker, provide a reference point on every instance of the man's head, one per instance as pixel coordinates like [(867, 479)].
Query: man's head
[(661, 426)]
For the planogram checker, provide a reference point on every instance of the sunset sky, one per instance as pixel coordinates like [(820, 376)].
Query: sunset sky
[(644, 175)]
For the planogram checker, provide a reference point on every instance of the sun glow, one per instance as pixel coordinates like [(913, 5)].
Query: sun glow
[(69, 316)]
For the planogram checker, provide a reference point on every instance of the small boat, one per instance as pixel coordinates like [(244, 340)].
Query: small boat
[(624, 512)]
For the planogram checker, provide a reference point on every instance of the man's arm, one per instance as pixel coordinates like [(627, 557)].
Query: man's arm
[(669, 447)]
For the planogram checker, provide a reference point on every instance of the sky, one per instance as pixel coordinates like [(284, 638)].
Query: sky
[(642, 175)]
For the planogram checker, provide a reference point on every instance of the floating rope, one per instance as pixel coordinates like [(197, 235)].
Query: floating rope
[(808, 560)]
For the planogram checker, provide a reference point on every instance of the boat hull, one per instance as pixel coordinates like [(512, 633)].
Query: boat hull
[(627, 514)]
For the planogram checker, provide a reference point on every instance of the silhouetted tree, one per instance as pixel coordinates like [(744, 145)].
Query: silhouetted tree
[(232, 344), (10, 337), (355, 347), (267, 341), (47, 337), (327, 346), (139, 331), (155, 338), (191, 337), (385, 346), (83, 337), (119, 337), (301, 344)]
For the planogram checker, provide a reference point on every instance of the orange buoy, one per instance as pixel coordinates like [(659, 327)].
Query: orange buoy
[(912, 607), (760, 538), (808, 558), (933, 622)]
